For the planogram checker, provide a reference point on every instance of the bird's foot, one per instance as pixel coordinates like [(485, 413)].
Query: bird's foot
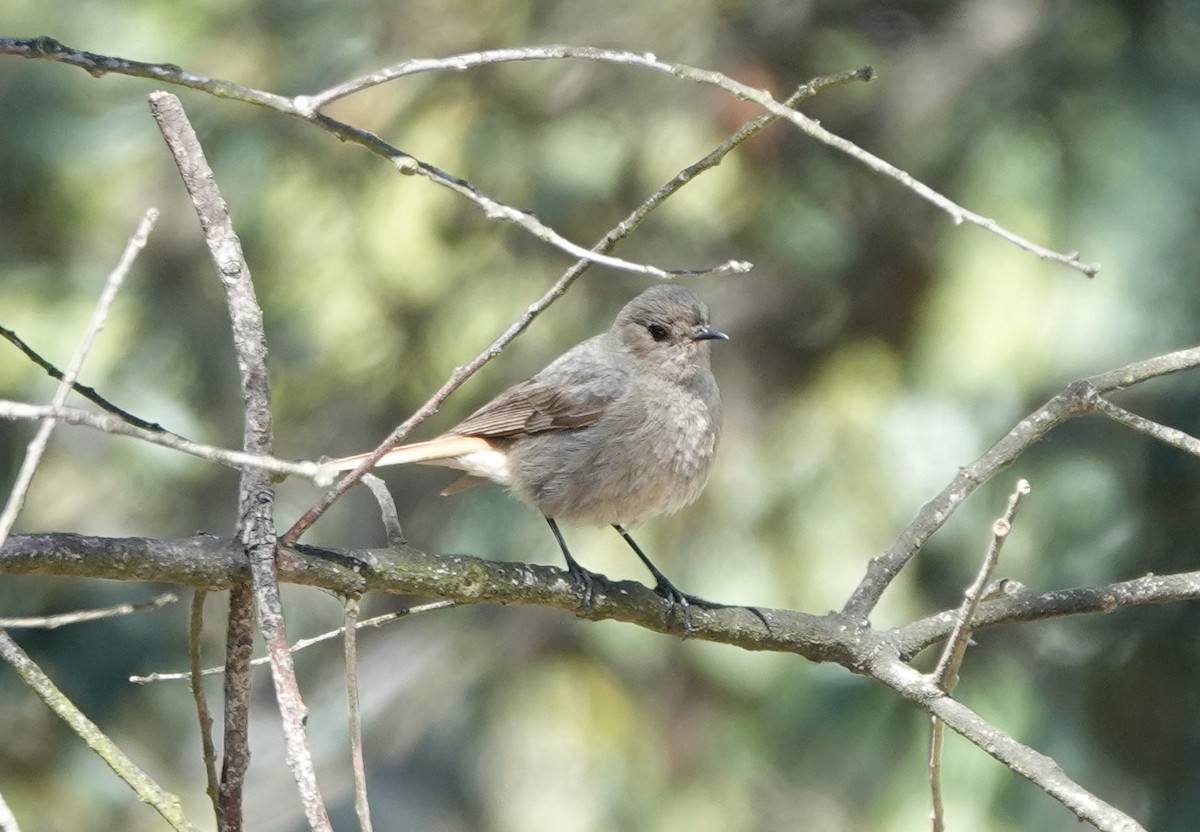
[(677, 599), (684, 601), (585, 580)]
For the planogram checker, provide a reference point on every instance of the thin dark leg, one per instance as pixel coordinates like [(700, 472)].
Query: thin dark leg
[(669, 593), (582, 576), (662, 586)]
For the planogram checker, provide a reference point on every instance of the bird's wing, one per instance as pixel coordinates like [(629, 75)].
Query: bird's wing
[(567, 394)]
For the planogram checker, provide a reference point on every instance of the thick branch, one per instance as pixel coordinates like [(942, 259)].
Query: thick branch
[(209, 562)]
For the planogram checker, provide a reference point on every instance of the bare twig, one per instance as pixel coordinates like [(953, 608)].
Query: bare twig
[(619, 232), (1078, 398), (117, 425), (763, 98), (938, 813), (945, 675), (256, 495), (387, 509), (37, 445), (350, 651), (302, 644), (148, 791), (51, 622), (1026, 605), (1163, 433), (88, 393), (301, 106), (208, 749)]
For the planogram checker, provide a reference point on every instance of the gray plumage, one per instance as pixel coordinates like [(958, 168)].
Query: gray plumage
[(619, 429)]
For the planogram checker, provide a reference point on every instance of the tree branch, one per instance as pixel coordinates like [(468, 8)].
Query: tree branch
[(37, 445), (205, 561), (1076, 399), (148, 791), (1026, 605), (256, 496), (117, 426)]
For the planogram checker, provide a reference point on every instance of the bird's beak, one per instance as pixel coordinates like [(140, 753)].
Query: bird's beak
[(707, 333)]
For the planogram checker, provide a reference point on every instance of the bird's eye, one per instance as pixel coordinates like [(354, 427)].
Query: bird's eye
[(657, 331)]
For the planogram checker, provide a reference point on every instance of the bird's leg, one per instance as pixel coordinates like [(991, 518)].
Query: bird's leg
[(582, 576), (663, 587)]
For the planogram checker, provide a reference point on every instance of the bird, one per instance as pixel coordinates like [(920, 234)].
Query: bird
[(620, 429)]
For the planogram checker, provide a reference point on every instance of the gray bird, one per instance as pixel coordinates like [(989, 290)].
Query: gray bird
[(620, 429)]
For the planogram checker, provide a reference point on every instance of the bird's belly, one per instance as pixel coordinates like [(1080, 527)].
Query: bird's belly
[(656, 469)]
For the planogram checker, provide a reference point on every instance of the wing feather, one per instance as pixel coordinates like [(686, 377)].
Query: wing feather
[(567, 394)]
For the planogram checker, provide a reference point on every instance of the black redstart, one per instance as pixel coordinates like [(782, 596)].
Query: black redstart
[(621, 428)]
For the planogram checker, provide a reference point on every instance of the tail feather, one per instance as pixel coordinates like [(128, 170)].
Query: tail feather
[(443, 450)]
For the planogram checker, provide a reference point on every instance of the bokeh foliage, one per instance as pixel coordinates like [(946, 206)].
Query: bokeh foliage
[(875, 348)]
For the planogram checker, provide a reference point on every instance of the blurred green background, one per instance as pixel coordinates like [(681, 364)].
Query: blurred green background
[(875, 348)]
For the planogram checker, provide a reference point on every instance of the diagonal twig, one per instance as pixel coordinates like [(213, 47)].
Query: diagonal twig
[(88, 393), (37, 445), (945, 675), (301, 644), (1076, 399), (53, 622), (147, 790), (1163, 433)]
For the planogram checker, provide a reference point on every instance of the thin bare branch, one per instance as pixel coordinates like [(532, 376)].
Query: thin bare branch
[(148, 791), (946, 673), (207, 747), (1163, 433), (112, 424), (1023, 604), (88, 393), (37, 445), (117, 425), (302, 644), (1076, 399), (256, 528), (362, 806), (52, 622), (764, 99)]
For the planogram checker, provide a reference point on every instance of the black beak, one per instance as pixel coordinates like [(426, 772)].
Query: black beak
[(707, 333)]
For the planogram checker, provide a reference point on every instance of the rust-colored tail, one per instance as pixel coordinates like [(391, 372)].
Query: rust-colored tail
[(442, 450)]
